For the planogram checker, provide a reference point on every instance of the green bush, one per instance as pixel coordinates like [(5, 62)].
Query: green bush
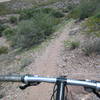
[(24, 34), (69, 7), (2, 95), (53, 12), (3, 50), (45, 22), (13, 19), (2, 28), (92, 26), (72, 44), (29, 13), (92, 46), (8, 33), (85, 9), (34, 31), (47, 10), (57, 14)]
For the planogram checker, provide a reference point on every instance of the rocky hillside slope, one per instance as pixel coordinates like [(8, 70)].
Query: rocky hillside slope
[(20, 4)]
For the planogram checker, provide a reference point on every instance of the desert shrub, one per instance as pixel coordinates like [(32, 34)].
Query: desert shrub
[(57, 14), (85, 9), (24, 34), (29, 13), (53, 12), (92, 46), (47, 10), (3, 50), (2, 95), (72, 44), (34, 31), (8, 33), (4, 9), (92, 26), (26, 13), (45, 22), (97, 15), (13, 19), (2, 28), (97, 9), (69, 7)]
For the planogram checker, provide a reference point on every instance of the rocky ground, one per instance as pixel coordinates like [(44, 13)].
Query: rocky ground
[(21, 4)]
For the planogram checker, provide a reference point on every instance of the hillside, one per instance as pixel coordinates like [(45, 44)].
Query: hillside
[(49, 38)]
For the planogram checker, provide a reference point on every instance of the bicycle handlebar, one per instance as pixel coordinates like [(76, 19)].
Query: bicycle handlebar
[(31, 79)]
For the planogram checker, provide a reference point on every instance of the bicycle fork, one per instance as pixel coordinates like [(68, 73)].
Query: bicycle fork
[(60, 95)]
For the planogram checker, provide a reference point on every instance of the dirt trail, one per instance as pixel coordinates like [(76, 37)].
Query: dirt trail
[(47, 64), (3, 42), (44, 65)]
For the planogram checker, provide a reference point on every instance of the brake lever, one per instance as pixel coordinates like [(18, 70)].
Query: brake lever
[(91, 89), (23, 87), (96, 93), (88, 89)]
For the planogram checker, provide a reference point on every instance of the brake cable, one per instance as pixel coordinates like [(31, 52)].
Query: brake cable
[(96, 93), (28, 85), (54, 91)]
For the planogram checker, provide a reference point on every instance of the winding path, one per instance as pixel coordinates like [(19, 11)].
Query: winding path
[(44, 65)]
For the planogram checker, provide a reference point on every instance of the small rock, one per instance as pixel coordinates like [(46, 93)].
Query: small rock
[(98, 60), (63, 65), (18, 57), (65, 60), (98, 66), (74, 31)]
